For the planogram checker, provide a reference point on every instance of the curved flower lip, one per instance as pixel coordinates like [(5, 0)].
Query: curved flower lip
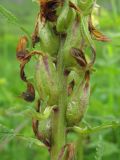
[(24, 56), (96, 33)]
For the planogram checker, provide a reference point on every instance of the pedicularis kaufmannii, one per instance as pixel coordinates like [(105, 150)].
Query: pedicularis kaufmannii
[(62, 43)]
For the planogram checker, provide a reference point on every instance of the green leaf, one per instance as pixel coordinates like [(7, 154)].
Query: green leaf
[(99, 149), (13, 19), (30, 112), (32, 141), (39, 116), (5, 131), (110, 148), (86, 130)]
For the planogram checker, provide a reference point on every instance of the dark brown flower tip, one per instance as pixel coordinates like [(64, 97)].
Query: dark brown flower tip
[(29, 95), (66, 72), (35, 40), (76, 8), (22, 72), (70, 87), (96, 33), (24, 57), (21, 51), (46, 64), (35, 35), (48, 9), (87, 75), (79, 56), (93, 56), (70, 151)]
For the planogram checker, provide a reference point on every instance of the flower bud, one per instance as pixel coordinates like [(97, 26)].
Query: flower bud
[(45, 128), (86, 6), (65, 18), (49, 42), (78, 102), (72, 41), (46, 80)]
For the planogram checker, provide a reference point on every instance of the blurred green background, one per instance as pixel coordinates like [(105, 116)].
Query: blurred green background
[(105, 98)]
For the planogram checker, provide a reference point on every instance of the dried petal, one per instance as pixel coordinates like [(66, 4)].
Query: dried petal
[(22, 73), (70, 149), (48, 9), (35, 36), (21, 51), (24, 57), (97, 34), (93, 57), (29, 95), (70, 87), (72, 5), (79, 56)]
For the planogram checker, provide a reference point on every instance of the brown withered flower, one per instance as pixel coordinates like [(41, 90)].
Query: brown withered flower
[(35, 35), (48, 10), (21, 51), (24, 56), (47, 13), (96, 33)]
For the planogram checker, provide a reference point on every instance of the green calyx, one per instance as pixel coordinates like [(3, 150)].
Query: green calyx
[(65, 18), (78, 100), (86, 6), (49, 41), (46, 80)]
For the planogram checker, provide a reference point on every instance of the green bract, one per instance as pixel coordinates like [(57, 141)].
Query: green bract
[(46, 80), (86, 6), (49, 42), (77, 101), (65, 18), (45, 128)]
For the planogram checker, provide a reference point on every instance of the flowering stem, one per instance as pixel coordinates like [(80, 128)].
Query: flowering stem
[(79, 147), (58, 137)]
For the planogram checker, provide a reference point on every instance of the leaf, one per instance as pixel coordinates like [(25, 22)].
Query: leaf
[(39, 116), (30, 112), (35, 1), (5, 130), (99, 149), (11, 132), (110, 148), (32, 141), (86, 130), (13, 19)]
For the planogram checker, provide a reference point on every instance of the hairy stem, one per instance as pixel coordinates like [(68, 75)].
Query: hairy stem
[(58, 137), (79, 148)]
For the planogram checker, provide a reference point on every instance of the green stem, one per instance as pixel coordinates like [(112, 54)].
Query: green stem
[(58, 137), (79, 148)]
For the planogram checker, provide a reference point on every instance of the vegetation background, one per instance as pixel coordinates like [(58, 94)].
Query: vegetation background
[(105, 98)]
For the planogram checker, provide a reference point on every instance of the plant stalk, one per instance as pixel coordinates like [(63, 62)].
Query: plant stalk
[(58, 137), (79, 148)]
